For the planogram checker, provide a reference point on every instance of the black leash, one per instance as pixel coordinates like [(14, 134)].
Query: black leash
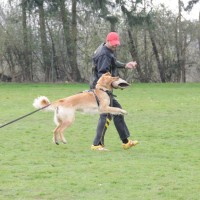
[(24, 116)]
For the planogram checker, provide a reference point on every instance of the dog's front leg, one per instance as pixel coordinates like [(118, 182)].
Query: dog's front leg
[(117, 111), (112, 110)]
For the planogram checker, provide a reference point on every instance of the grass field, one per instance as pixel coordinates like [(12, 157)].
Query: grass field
[(165, 118)]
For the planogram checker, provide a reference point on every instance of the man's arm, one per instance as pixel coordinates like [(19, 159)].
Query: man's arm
[(129, 65), (119, 64)]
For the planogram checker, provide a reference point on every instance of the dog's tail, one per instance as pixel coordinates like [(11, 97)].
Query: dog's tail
[(42, 102)]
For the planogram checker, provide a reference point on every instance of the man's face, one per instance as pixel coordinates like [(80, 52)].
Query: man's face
[(112, 47)]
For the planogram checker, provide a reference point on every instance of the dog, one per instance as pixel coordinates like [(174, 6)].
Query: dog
[(91, 101)]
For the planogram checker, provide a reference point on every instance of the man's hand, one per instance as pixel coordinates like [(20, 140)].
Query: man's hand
[(131, 65)]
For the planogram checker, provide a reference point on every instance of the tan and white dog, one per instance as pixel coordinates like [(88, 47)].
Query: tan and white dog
[(94, 101)]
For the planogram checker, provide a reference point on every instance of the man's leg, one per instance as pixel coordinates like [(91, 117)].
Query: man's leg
[(120, 123), (102, 126), (122, 129)]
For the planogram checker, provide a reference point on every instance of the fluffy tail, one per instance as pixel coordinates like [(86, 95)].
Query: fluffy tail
[(41, 102)]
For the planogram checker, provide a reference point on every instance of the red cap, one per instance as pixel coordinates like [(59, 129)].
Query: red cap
[(113, 38)]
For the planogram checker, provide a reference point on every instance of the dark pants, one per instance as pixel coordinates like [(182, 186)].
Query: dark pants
[(103, 124)]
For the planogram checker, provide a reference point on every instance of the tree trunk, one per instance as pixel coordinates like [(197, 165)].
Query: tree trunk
[(179, 45), (134, 54), (67, 37), (75, 71), (183, 53), (155, 50), (113, 21), (199, 34), (27, 51), (54, 62), (45, 49), (145, 44)]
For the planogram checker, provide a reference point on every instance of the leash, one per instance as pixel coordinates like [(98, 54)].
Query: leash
[(25, 116)]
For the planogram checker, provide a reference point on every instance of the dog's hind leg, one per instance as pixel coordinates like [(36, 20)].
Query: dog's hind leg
[(64, 126), (58, 122), (55, 135), (59, 131), (63, 118)]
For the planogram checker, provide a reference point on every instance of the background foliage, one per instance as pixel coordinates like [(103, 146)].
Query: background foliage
[(45, 40)]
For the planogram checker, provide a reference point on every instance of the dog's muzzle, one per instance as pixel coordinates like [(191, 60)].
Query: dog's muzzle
[(120, 84)]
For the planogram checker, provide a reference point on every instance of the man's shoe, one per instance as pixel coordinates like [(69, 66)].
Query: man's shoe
[(98, 148), (130, 144)]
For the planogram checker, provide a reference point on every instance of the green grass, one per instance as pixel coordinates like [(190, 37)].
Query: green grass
[(165, 118)]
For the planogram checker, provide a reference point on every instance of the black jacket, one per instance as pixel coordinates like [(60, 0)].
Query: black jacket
[(104, 60)]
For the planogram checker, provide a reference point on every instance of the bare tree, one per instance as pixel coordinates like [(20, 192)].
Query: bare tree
[(27, 51)]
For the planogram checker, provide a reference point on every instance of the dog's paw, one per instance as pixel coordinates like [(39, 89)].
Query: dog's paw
[(120, 112), (55, 141), (123, 112), (64, 141)]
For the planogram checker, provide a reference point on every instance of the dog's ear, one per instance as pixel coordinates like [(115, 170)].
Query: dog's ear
[(115, 78), (107, 74)]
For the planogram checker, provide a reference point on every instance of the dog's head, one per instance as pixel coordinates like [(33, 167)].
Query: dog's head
[(108, 82)]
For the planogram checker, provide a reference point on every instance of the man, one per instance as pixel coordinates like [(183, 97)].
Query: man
[(105, 61)]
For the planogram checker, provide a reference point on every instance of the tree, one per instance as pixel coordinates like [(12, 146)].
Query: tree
[(133, 19), (75, 71), (156, 53), (70, 35), (27, 51), (32, 4), (190, 5), (32, 34), (44, 45), (189, 8), (199, 33)]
